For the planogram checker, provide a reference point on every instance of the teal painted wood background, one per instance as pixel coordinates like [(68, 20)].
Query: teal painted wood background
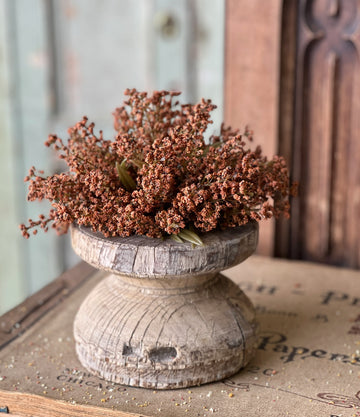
[(61, 59)]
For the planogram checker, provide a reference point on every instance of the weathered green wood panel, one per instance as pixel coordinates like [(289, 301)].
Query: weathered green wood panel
[(188, 50), (173, 56), (67, 58), (30, 120), (210, 54), (100, 51), (12, 288)]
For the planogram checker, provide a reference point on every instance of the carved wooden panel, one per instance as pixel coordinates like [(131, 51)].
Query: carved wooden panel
[(324, 139)]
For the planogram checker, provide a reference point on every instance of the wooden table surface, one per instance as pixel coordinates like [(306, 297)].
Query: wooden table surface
[(307, 362)]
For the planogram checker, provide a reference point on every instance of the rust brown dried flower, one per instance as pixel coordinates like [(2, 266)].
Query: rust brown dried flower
[(158, 176)]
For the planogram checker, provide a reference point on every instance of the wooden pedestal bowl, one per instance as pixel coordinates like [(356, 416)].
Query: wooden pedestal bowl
[(165, 317)]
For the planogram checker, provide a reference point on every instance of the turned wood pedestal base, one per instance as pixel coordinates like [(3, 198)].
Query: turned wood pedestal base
[(165, 317)]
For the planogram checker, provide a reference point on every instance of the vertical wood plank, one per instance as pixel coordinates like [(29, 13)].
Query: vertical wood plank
[(252, 60), (188, 50), (286, 113), (30, 120), (210, 47), (12, 287), (101, 49), (172, 24)]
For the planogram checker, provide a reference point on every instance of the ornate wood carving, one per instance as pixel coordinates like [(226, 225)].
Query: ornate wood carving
[(325, 139)]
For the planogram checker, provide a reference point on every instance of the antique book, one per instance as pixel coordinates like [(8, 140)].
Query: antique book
[(307, 362)]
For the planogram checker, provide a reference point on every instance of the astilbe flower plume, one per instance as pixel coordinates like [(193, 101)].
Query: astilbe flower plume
[(159, 176)]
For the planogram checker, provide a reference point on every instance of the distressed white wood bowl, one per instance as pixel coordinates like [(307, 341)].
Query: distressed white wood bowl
[(165, 317)]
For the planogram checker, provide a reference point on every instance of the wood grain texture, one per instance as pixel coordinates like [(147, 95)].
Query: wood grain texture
[(141, 256), (45, 407), (286, 111), (252, 67), (324, 141), (167, 319), (296, 81)]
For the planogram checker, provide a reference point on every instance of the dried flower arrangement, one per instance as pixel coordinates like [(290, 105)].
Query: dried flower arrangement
[(159, 177)]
